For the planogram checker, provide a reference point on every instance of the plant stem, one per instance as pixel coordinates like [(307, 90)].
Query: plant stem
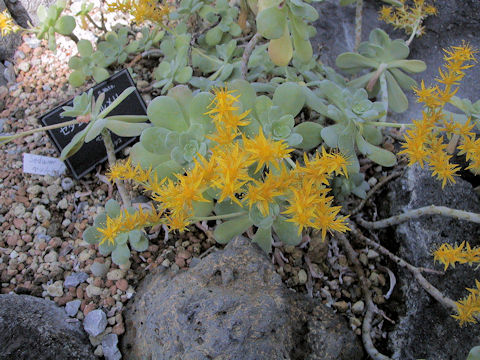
[(384, 91), (247, 52), (291, 163), (44, 128), (95, 24), (218, 217), (412, 36), (358, 24), (387, 124), (74, 38), (413, 214), (112, 159)]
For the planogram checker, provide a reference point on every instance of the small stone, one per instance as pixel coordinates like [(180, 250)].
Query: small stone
[(98, 351), (122, 284), (74, 279), (110, 348), (41, 214), (302, 277), (372, 254), (19, 210), (98, 269), (84, 255), (358, 307), (341, 306), (93, 290), (51, 257), (116, 274), (63, 204), (71, 308), (95, 322), (166, 263), (55, 289), (355, 323), (363, 259), (67, 184), (53, 191), (24, 66), (119, 329), (34, 190)]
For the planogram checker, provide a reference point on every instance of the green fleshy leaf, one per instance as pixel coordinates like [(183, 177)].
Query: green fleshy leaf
[(100, 74), (474, 353), (271, 22), (263, 237), (146, 159), (77, 78), (202, 208), (65, 25), (287, 231), (121, 254), (106, 248), (311, 135), (397, 101), (112, 207), (165, 112), (138, 240), (226, 231), (290, 98), (126, 129), (91, 235)]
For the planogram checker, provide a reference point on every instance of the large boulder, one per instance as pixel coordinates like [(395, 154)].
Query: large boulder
[(231, 305), (34, 328), (423, 321)]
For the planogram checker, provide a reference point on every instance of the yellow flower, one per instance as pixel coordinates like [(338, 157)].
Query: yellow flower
[(266, 151), (468, 308), (141, 10), (448, 255), (6, 24), (111, 230)]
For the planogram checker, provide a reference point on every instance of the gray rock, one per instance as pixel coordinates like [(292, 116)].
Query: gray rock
[(41, 214), (110, 347), (51, 257), (423, 320), (95, 322), (34, 328), (98, 269), (55, 289), (231, 305), (71, 307), (74, 279)]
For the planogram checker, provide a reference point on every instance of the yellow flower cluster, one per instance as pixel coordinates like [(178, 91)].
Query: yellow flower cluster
[(6, 23), (142, 10), (123, 170), (408, 18), (128, 221), (468, 308), (425, 140), (249, 172)]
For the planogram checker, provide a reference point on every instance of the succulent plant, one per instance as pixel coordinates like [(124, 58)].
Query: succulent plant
[(149, 38), (343, 187), (116, 46), (119, 250), (471, 110), (218, 61), (174, 67), (86, 64), (354, 115), (52, 22), (178, 131), (224, 16), (83, 13), (383, 57), (278, 20), (86, 106)]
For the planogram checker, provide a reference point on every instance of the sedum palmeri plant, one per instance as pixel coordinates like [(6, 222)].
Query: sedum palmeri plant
[(247, 180), (425, 139), (425, 144), (408, 18)]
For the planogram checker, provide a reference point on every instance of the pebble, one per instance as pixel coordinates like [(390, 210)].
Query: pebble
[(98, 351), (19, 210), (363, 259), (98, 269), (93, 290), (74, 279), (302, 277), (63, 204), (116, 274), (13, 254), (34, 190), (71, 307), (341, 306), (41, 214), (53, 191), (110, 347), (122, 284), (55, 289), (372, 254), (358, 307), (51, 257), (95, 322)]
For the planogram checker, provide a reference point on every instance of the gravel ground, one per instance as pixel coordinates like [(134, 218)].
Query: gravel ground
[(42, 219)]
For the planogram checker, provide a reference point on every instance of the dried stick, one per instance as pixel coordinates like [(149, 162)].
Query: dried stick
[(371, 308), (375, 189), (112, 159), (445, 301), (413, 214), (247, 52)]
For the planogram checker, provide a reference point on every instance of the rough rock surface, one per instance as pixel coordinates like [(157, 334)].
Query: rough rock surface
[(232, 305), (424, 321), (34, 328), (456, 21)]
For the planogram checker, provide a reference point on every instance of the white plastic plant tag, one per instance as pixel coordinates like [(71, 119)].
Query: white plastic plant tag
[(42, 165)]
